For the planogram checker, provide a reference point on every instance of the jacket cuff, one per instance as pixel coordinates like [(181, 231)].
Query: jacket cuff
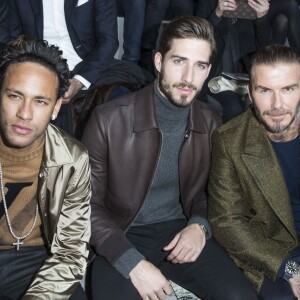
[(127, 262), (201, 221)]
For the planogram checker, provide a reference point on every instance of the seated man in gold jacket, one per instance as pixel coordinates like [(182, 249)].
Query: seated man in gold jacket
[(44, 179)]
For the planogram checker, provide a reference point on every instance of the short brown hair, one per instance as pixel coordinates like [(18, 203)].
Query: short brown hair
[(187, 27), (274, 54)]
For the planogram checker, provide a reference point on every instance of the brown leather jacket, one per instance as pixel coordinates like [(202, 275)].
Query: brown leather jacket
[(124, 144)]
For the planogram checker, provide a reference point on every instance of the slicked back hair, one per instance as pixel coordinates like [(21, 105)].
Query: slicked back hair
[(274, 54), (187, 27)]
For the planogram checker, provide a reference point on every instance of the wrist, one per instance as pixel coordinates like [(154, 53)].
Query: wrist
[(218, 12), (291, 269)]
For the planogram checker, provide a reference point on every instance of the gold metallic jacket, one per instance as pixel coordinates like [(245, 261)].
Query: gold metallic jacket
[(63, 194)]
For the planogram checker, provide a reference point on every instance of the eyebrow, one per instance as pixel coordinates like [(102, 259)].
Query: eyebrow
[(284, 87), (184, 58), (21, 94)]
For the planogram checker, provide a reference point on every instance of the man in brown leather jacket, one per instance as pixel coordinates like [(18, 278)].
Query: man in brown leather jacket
[(150, 156)]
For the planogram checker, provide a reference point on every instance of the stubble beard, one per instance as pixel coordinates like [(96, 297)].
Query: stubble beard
[(278, 128), (166, 90)]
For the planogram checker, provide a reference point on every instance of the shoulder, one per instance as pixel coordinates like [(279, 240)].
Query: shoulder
[(125, 102), (202, 113), (236, 125), (60, 143)]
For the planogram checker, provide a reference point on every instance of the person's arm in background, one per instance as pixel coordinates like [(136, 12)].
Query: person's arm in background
[(99, 58), (261, 24)]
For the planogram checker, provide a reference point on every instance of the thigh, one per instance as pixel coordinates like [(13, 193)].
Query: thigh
[(212, 276), (276, 290), (18, 270), (107, 283)]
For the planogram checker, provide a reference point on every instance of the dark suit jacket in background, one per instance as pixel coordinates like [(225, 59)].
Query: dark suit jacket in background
[(4, 23), (92, 28), (249, 206)]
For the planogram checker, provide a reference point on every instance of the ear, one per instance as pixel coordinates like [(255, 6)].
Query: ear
[(57, 106), (158, 61), (249, 92)]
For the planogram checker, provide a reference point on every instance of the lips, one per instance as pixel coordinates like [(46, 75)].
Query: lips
[(19, 129), (185, 91)]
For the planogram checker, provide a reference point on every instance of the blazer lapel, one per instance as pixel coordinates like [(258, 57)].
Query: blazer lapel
[(262, 163), (69, 7), (37, 8)]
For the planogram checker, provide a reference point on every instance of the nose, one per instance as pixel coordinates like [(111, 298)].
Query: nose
[(25, 111), (188, 74), (276, 101)]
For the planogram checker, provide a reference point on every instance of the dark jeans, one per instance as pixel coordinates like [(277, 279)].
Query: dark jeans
[(212, 276), (278, 290), (18, 269), (134, 16)]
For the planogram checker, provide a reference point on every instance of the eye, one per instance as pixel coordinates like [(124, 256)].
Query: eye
[(288, 89), (263, 91), (14, 96), (178, 61), (201, 66), (41, 102)]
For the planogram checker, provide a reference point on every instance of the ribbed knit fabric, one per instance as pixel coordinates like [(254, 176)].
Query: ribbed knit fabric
[(20, 177), (162, 202)]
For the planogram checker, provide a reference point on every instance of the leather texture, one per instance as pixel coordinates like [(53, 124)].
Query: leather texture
[(124, 145)]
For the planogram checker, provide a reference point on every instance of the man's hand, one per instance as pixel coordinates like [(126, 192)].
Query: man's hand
[(295, 285), (150, 282), (74, 88), (187, 245), (260, 6), (225, 5)]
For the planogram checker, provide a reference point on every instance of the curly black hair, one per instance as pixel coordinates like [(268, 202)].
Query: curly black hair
[(25, 49)]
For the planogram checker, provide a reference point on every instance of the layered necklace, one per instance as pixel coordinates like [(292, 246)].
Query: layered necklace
[(19, 239)]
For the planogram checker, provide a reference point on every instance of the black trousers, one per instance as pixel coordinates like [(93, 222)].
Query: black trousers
[(18, 269), (212, 276), (276, 290)]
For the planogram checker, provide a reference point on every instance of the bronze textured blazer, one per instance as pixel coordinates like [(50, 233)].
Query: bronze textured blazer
[(249, 207)]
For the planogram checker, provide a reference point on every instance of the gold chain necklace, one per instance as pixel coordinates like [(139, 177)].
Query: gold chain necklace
[(18, 238)]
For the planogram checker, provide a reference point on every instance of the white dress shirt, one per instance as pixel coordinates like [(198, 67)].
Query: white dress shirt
[(56, 33)]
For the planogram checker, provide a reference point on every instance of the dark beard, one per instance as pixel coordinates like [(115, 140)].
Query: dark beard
[(277, 128), (165, 89)]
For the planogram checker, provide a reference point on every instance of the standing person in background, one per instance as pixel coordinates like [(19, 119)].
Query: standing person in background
[(44, 179), (85, 30), (150, 157)]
